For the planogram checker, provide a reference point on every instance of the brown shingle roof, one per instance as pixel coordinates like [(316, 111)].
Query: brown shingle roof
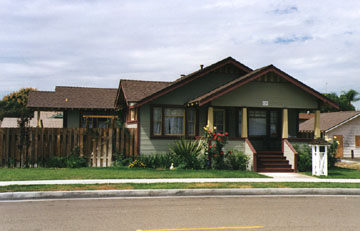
[(135, 90), (73, 98), (328, 120)]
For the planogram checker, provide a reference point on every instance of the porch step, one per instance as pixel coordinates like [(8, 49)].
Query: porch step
[(272, 162)]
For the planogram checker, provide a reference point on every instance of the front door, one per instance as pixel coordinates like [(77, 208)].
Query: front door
[(265, 129), (339, 150)]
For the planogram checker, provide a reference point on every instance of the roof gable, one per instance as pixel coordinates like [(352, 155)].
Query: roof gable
[(135, 90), (191, 77), (226, 88)]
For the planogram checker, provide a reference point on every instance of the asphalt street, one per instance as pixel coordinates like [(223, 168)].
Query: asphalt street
[(184, 213)]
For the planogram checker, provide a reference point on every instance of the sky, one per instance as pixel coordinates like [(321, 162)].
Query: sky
[(95, 43)]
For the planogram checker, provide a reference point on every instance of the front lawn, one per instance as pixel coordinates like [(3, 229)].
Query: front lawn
[(341, 173), (17, 174)]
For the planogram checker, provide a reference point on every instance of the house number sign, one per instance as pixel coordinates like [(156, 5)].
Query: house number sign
[(265, 103)]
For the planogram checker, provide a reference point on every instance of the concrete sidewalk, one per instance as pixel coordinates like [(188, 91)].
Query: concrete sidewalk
[(276, 177)]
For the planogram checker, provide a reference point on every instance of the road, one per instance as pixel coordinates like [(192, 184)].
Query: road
[(190, 213)]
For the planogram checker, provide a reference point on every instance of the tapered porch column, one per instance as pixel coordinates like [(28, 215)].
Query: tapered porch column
[(285, 124), (244, 124), (210, 121), (317, 133)]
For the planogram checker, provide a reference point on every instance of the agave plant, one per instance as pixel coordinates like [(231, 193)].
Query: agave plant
[(187, 152)]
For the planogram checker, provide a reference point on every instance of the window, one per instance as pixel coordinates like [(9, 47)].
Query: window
[(357, 141), (274, 123), (219, 120), (191, 121), (239, 122), (157, 118), (173, 121), (257, 123), (132, 114)]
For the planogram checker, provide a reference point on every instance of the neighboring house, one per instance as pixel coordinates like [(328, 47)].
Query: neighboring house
[(305, 117), (258, 108), (47, 120), (81, 106), (342, 126)]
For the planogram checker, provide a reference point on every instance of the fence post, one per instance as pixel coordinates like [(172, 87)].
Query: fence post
[(110, 149)]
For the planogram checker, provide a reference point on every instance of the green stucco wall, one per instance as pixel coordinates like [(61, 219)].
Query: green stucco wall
[(278, 95), (73, 119)]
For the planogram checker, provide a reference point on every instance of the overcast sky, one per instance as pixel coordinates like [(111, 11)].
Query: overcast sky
[(48, 43)]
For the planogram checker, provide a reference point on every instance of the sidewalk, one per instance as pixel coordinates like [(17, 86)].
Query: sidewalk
[(277, 177)]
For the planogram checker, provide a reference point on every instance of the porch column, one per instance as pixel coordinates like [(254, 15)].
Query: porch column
[(244, 124), (285, 124), (317, 133), (210, 122)]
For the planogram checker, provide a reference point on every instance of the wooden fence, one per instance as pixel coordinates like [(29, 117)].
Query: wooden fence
[(32, 147)]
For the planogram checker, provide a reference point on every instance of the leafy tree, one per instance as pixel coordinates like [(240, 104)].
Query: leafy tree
[(344, 100), (14, 104)]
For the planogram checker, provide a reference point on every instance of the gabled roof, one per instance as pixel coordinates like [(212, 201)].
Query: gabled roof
[(232, 85), (73, 98), (135, 90), (191, 77), (330, 120)]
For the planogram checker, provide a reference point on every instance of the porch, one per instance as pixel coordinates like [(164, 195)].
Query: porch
[(264, 134)]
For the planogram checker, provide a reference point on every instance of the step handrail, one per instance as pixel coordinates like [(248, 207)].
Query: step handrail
[(296, 155), (247, 141)]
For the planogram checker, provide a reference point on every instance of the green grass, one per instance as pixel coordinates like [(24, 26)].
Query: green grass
[(29, 188), (16, 174), (340, 173)]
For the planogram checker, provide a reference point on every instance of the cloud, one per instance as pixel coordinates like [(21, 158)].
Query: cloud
[(44, 43), (286, 10), (292, 39)]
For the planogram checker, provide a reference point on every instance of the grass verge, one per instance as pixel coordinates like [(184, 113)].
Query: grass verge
[(74, 187), (16, 174)]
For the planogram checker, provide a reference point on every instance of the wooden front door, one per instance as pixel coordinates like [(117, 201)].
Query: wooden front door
[(339, 151)]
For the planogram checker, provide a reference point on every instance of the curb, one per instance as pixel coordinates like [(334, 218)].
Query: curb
[(177, 192)]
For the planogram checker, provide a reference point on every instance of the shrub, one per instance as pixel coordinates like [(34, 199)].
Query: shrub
[(121, 160), (305, 158), (332, 159), (157, 160), (72, 161), (137, 164), (186, 153), (236, 160)]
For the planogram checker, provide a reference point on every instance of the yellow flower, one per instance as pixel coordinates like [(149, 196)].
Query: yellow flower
[(214, 127)]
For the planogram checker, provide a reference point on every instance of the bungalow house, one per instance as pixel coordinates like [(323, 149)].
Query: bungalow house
[(258, 108), (81, 106), (343, 126)]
